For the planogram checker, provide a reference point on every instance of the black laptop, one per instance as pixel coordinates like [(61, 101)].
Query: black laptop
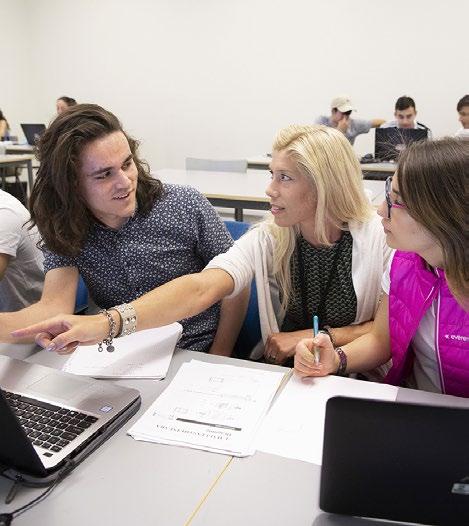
[(51, 420), (32, 132), (389, 142), (396, 461)]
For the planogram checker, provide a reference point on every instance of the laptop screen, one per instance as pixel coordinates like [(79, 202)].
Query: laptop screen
[(396, 461), (32, 132), (389, 142)]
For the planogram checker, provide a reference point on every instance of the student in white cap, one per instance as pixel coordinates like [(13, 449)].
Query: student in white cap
[(341, 109)]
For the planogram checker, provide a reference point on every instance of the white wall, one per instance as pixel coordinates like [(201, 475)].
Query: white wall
[(217, 78), (17, 97)]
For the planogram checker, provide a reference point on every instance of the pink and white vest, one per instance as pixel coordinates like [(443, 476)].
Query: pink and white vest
[(413, 289)]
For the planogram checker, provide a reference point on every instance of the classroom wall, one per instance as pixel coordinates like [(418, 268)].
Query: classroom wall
[(217, 78), (17, 94)]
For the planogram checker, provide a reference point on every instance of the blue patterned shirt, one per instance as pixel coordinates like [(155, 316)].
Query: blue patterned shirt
[(179, 236)]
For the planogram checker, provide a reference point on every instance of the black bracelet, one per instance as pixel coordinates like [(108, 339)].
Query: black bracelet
[(341, 370)]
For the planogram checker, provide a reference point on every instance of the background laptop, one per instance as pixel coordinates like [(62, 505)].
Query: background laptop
[(32, 132), (397, 461), (389, 142), (48, 417)]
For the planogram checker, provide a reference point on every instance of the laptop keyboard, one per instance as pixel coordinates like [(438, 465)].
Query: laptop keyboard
[(49, 426)]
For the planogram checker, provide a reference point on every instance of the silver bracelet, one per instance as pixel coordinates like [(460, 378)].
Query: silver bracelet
[(128, 319), (112, 327)]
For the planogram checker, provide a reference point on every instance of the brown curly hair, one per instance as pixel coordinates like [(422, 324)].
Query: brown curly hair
[(56, 204)]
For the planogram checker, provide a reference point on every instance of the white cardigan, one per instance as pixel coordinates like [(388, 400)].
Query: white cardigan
[(252, 255)]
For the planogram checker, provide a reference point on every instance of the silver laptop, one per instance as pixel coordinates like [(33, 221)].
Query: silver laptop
[(50, 419)]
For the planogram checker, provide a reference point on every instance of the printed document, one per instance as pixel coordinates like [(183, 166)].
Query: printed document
[(143, 354), (215, 407), (294, 427)]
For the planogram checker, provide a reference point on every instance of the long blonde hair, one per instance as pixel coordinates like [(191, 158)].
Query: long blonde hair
[(325, 156)]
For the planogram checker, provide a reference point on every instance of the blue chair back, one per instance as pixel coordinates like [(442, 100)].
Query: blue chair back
[(81, 300), (250, 332)]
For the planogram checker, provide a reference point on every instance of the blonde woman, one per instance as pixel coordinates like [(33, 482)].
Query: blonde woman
[(321, 252)]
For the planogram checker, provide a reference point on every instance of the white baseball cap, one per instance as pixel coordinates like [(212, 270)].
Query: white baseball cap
[(343, 103)]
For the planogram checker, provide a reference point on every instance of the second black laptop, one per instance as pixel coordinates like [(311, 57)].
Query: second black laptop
[(32, 132), (396, 461), (389, 142)]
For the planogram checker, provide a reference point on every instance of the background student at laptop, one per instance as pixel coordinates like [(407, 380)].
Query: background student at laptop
[(405, 114), (423, 317), (340, 118)]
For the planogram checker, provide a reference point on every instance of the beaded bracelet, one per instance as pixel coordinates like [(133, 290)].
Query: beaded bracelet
[(341, 370), (112, 328)]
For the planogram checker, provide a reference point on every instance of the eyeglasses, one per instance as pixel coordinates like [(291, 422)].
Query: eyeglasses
[(387, 194)]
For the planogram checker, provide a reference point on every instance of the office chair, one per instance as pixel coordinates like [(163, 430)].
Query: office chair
[(250, 332), (81, 300), (213, 165)]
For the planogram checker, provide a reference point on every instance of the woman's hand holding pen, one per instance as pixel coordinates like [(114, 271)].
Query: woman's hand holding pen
[(305, 364)]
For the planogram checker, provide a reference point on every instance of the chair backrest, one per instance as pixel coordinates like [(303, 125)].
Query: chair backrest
[(81, 300), (250, 332), (214, 165)]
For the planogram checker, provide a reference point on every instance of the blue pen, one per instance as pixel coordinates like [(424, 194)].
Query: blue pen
[(315, 332)]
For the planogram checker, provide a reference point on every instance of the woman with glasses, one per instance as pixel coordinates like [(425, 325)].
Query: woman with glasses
[(321, 252), (423, 319)]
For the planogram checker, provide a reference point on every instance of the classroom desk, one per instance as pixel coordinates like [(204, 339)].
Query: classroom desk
[(19, 148), (19, 161), (125, 481), (130, 482), (371, 171), (227, 189), (278, 491), (239, 190)]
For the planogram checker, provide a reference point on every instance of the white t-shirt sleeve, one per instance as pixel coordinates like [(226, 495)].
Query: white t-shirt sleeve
[(10, 231)]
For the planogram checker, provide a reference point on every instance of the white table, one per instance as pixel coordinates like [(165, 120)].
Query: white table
[(19, 148), (128, 482), (240, 190)]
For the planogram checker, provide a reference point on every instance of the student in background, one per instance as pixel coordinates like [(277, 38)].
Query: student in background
[(63, 103), (423, 318), (4, 127), (322, 251), (21, 269), (102, 215), (405, 114), (340, 118), (463, 111)]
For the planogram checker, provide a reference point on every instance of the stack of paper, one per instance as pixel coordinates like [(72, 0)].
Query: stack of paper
[(294, 427), (214, 407), (144, 354)]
